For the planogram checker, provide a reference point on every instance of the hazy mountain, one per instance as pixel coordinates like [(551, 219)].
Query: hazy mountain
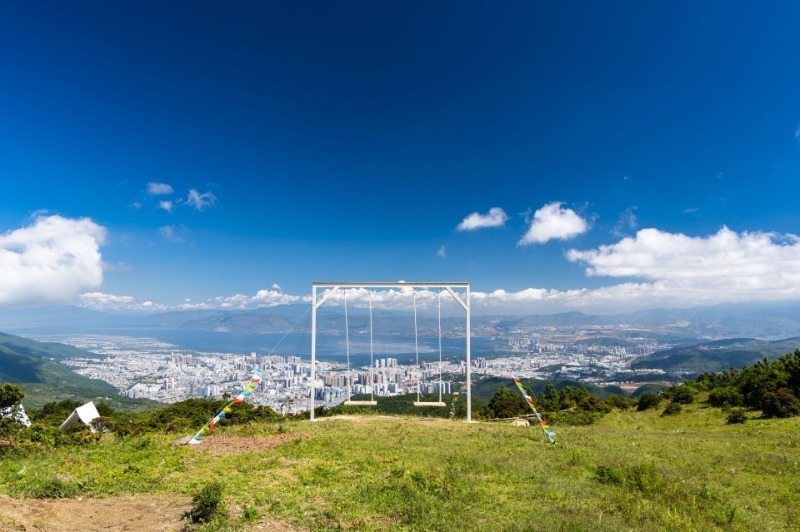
[(753, 320), (27, 361), (718, 355)]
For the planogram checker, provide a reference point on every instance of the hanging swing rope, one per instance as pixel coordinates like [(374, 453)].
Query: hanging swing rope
[(347, 347), (372, 401), (416, 346), (439, 301), (430, 403)]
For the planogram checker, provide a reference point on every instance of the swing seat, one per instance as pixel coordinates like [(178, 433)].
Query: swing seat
[(429, 403), (361, 403)]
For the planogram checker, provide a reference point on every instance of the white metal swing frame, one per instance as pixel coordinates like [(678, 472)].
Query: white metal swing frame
[(333, 286)]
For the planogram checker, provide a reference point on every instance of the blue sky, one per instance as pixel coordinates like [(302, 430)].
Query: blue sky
[(631, 155)]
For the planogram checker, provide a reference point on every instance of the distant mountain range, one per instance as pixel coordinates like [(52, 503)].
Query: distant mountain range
[(27, 361), (34, 366), (764, 321), (716, 356)]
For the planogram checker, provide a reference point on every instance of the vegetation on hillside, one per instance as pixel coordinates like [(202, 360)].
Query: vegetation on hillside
[(29, 361), (711, 453)]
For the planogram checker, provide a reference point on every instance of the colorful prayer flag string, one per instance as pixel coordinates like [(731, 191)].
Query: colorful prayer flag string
[(550, 435), (453, 405), (247, 391)]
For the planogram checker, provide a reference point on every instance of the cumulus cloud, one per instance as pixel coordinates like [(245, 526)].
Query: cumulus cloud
[(262, 298), (442, 252), (113, 303), (165, 205), (554, 222), (158, 189), (200, 201), (726, 266), (496, 217), (51, 261)]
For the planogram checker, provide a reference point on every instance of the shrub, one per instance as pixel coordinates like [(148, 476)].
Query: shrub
[(619, 402), (683, 395), (672, 409), (728, 396), (737, 415), (647, 401), (780, 403), (506, 403), (52, 488), (206, 504)]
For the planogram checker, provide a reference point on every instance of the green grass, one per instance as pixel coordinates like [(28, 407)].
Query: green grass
[(630, 470)]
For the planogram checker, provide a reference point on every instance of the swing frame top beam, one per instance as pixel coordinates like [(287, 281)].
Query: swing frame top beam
[(331, 285)]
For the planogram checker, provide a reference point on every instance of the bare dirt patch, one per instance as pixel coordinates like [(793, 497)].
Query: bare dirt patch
[(135, 512), (223, 444), (355, 418)]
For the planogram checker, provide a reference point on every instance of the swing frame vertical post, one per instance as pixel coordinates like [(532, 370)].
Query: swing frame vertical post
[(313, 347), (469, 363), (333, 286)]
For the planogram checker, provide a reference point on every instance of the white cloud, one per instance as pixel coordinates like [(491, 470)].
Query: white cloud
[(276, 286), (627, 222), (554, 222), (165, 205), (726, 266), (262, 298), (158, 189), (173, 233), (442, 252), (200, 201), (496, 217), (113, 303), (51, 261)]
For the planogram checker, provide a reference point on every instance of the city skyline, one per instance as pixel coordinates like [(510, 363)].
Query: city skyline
[(595, 158)]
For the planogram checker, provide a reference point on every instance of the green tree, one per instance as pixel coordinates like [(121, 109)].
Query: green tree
[(648, 400), (10, 395), (780, 403), (507, 403), (570, 396), (551, 399)]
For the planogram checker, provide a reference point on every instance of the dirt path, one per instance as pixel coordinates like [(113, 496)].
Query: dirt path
[(135, 512)]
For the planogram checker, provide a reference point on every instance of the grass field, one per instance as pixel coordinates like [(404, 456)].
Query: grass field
[(630, 471)]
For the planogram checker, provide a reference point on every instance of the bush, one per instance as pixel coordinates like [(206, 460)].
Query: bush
[(52, 488), (728, 396), (780, 403), (647, 401), (737, 415), (206, 504), (619, 402), (672, 409), (683, 395)]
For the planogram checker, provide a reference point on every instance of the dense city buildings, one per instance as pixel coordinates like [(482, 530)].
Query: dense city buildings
[(149, 368)]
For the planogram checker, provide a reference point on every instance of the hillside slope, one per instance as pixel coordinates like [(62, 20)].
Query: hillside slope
[(717, 356), (27, 361)]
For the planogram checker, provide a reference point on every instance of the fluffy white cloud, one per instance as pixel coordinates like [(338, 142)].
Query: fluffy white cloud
[(51, 261), (113, 303), (554, 222), (496, 217), (165, 205), (262, 298), (158, 189), (200, 201), (726, 266)]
